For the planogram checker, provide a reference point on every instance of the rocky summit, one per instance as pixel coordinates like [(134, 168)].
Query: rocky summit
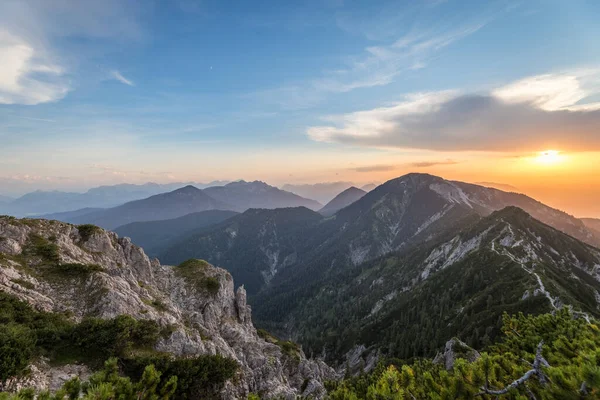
[(85, 271)]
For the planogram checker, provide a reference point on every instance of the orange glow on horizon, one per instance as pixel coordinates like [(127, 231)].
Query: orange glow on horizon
[(549, 157)]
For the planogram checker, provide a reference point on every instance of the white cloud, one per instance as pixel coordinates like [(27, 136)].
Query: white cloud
[(27, 75), (538, 112), (34, 68), (117, 75), (551, 91)]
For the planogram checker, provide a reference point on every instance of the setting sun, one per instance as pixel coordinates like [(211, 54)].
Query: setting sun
[(549, 157)]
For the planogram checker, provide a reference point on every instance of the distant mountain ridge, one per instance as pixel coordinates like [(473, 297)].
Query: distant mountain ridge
[(235, 196), (342, 200), (592, 223), (242, 195), (45, 202), (322, 192), (5, 199), (51, 202), (177, 203)]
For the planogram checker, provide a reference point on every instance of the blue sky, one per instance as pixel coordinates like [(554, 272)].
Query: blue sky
[(105, 92)]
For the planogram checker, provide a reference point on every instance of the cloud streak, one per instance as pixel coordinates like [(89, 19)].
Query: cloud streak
[(535, 113), (427, 164), (374, 168), (118, 76), (381, 64)]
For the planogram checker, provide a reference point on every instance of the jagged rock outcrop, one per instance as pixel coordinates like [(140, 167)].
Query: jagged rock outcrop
[(454, 349), (206, 318)]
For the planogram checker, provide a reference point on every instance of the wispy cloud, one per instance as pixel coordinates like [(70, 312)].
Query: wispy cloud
[(545, 111), (118, 76), (427, 164), (393, 167), (374, 168), (34, 119), (396, 50), (380, 65)]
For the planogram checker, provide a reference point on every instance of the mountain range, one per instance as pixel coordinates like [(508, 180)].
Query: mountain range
[(187, 200), (393, 273), (291, 260), (45, 202), (414, 208), (242, 195), (177, 203)]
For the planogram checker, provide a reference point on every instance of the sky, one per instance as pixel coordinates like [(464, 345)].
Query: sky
[(113, 91)]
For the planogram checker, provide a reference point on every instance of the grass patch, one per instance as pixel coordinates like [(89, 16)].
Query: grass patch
[(210, 284), (43, 248), (193, 263), (289, 348), (87, 231), (157, 304), (194, 272), (75, 270)]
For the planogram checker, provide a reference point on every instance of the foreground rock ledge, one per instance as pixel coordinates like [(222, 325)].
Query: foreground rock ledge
[(215, 321)]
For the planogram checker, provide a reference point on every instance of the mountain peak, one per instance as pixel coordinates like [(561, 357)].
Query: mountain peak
[(187, 189), (342, 200), (511, 212)]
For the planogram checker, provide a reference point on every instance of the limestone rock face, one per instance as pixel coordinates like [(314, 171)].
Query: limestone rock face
[(216, 321), (453, 350)]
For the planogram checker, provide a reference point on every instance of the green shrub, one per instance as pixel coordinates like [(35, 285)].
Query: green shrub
[(87, 231), (157, 304), (41, 247), (17, 346), (194, 272), (199, 377), (108, 384), (102, 338), (288, 347), (75, 269), (193, 263), (26, 334), (211, 284)]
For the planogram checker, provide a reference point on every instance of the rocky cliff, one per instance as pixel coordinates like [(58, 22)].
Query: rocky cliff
[(106, 276)]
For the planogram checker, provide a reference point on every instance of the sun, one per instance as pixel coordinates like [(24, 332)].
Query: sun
[(549, 157)]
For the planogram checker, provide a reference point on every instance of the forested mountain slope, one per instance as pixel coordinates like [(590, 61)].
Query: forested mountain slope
[(549, 356), (155, 236), (288, 263), (410, 302), (254, 246)]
